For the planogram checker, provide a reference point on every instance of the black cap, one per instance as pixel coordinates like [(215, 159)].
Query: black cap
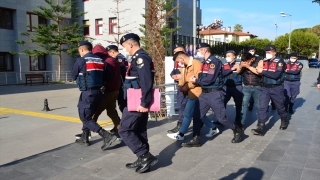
[(202, 45), (251, 47), (179, 45), (270, 48), (82, 43), (294, 54), (231, 51), (108, 48), (129, 36)]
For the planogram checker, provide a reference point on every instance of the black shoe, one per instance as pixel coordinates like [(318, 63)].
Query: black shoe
[(259, 131), (134, 165), (84, 139), (284, 123), (195, 142), (175, 129), (112, 131), (108, 138), (78, 136), (237, 132), (147, 160)]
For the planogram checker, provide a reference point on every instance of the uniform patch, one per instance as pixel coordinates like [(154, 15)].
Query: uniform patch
[(139, 61), (280, 64), (120, 60), (300, 66), (211, 71), (212, 66)]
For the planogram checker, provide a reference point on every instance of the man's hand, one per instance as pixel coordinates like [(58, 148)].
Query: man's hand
[(173, 77), (142, 109), (244, 64), (318, 86), (192, 79), (178, 77), (235, 67), (259, 69)]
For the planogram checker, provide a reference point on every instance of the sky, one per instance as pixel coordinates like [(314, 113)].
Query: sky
[(259, 16)]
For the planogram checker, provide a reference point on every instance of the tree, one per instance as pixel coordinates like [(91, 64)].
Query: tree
[(259, 44), (119, 33), (316, 1), (157, 31), (316, 30), (58, 35), (302, 29), (237, 28), (304, 43)]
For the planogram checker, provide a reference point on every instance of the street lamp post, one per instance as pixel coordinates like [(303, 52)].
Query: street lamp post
[(276, 30), (285, 15)]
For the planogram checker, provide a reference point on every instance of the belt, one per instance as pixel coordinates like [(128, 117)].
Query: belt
[(95, 88), (208, 90), (251, 85), (270, 85), (292, 80)]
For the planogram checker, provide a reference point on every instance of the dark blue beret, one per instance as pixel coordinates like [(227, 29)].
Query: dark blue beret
[(231, 51), (202, 45), (251, 47), (112, 47), (82, 43), (270, 48), (294, 54), (179, 45), (129, 36)]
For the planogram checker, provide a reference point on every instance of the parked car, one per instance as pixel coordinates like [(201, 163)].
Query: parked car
[(314, 62)]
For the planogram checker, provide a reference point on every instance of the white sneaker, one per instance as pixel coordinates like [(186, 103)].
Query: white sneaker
[(175, 136), (212, 132)]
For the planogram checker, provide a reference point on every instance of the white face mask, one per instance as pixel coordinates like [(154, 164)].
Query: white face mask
[(125, 53), (200, 55), (181, 64), (269, 56), (293, 60), (228, 59), (251, 52)]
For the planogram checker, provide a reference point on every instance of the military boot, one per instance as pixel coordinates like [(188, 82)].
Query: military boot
[(108, 138), (291, 108), (195, 142), (237, 132), (175, 129), (147, 160), (84, 139), (259, 130), (284, 123), (134, 165)]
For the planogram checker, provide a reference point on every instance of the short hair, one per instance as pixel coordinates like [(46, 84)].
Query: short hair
[(87, 47), (179, 53), (134, 42), (246, 56)]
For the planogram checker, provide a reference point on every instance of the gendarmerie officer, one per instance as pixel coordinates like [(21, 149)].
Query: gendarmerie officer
[(271, 88), (90, 72), (181, 99), (133, 125), (233, 85), (212, 95), (114, 52), (292, 81)]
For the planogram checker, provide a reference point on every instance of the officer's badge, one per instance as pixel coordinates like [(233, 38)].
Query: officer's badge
[(139, 61), (120, 60), (300, 66), (176, 45), (123, 38), (108, 48), (280, 64), (212, 66)]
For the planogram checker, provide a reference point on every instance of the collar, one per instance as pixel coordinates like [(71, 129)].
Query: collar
[(190, 61)]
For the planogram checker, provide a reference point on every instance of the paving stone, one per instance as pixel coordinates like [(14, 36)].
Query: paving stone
[(310, 174), (262, 169), (313, 162), (298, 149), (10, 173), (290, 160), (287, 172), (284, 135), (314, 150), (271, 155), (278, 144)]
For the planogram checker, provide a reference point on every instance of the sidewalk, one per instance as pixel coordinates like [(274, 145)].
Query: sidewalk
[(45, 150)]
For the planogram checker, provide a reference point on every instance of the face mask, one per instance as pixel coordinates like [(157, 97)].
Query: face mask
[(125, 53), (200, 55), (251, 52), (181, 64), (269, 56), (228, 59), (292, 60)]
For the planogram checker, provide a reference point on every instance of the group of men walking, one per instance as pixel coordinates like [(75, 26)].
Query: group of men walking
[(103, 79)]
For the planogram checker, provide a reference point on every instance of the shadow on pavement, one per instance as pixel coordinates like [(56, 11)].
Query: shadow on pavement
[(15, 89), (250, 174)]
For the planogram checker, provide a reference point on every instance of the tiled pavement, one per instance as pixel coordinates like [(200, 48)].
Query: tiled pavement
[(279, 155)]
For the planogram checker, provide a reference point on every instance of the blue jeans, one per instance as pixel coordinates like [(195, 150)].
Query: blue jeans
[(188, 114), (249, 91)]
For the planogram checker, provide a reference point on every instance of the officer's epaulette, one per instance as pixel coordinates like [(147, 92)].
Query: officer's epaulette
[(208, 60), (256, 55), (265, 59), (276, 60)]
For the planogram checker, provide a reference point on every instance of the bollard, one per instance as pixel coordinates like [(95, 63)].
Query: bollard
[(46, 106)]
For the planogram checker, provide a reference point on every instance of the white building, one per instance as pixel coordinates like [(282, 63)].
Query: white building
[(225, 35)]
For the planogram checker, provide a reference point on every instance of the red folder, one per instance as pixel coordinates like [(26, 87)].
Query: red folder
[(134, 99)]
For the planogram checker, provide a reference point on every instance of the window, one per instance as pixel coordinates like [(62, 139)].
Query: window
[(37, 63), (171, 23), (34, 20), (218, 39), (6, 18), (112, 25), (86, 30), (99, 29), (6, 61)]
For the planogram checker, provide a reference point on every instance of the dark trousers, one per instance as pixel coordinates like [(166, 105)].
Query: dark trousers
[(122, 102), (215, 101), (291, 91), (275, 94), (133, 131), (181, 103), (87, 105), (236, 93)]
